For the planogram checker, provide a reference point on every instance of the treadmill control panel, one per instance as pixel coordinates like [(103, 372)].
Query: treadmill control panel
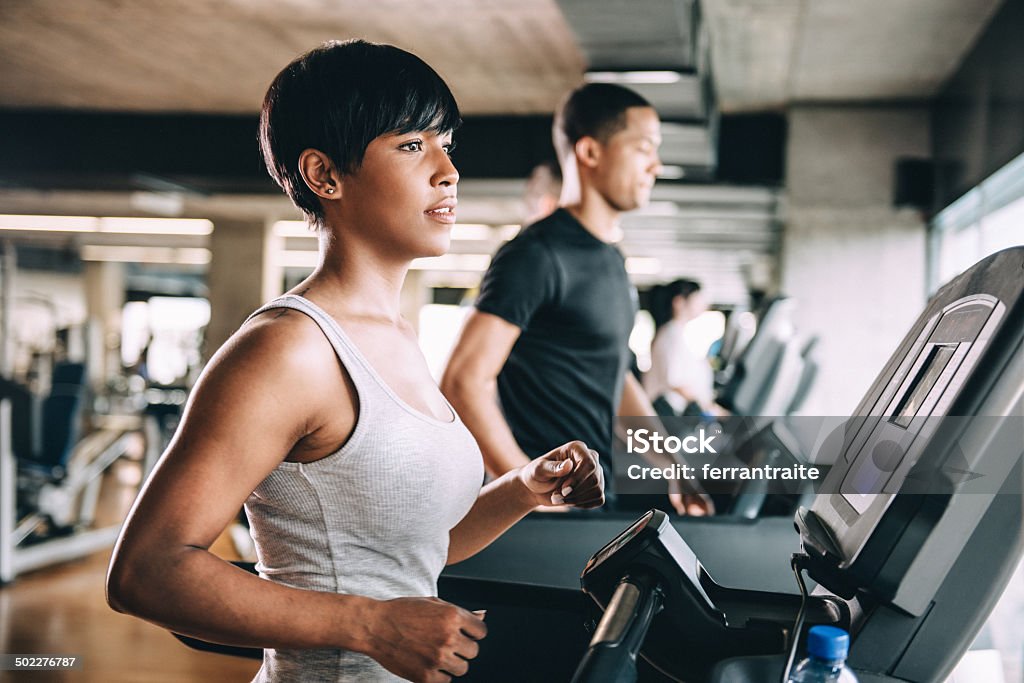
[(619, 541), (904, 417), (928, 448)]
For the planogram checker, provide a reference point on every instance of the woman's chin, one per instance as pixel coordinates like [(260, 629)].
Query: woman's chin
[(437, 248)]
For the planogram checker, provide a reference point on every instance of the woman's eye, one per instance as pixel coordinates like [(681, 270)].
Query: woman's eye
[(449, 148), (413, 146)]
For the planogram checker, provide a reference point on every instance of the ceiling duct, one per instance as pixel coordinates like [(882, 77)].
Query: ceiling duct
[(662, 54)]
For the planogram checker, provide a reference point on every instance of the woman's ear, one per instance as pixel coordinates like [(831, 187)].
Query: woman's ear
[(588, 151), (319, 173)]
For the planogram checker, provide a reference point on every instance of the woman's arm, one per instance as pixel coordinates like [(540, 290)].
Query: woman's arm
[(265, 392), (242, 420), (568, 475)]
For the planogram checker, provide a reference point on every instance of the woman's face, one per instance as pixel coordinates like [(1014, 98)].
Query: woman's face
[(689, 307), (403, 196)]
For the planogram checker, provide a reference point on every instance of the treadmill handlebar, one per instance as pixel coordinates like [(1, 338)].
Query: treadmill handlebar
[(611, 657)]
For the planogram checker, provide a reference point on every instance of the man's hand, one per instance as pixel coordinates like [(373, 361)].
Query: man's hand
[(426, 640), (568, 475), (692, 504)]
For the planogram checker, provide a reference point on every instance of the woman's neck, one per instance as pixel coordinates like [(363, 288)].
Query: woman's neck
[(356, 280)]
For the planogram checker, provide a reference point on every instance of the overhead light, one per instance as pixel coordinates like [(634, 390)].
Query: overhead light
[(292, 229), (166, 255), (471, 231), (659, 208), (293, 258), (641, 265), (471, 262), (633, 77), (109, 224), (156, 226), (48, 223), (507, 232), (160, 203), (672, 172)]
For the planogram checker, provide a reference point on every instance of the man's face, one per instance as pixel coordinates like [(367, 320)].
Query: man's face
[(629, 163)]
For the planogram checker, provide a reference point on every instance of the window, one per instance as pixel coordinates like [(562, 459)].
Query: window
[(987, 219)]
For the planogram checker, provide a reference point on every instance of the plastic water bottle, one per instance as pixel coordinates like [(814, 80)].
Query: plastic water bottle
[(827, 647)]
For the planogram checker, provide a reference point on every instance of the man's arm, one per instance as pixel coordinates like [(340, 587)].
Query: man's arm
[(634, 402), (635, 405), (470, 383)]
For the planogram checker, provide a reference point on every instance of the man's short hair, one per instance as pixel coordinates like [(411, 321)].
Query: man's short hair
[(337, 98), (597, 110)]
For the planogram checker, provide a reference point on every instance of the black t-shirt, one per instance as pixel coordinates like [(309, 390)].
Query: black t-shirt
[(569, 293)]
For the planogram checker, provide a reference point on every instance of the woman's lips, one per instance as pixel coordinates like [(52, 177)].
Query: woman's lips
[(444, 214)]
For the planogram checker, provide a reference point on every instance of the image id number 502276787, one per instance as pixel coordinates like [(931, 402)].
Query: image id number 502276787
[(39, 662)]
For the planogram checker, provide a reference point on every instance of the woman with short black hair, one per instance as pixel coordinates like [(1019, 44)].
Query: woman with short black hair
[(359, 480)]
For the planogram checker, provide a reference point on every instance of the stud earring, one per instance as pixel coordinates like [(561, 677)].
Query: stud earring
[(330, 190)]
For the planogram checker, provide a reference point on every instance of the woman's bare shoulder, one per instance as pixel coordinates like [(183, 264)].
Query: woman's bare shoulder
[(279, 339), (280, 352)]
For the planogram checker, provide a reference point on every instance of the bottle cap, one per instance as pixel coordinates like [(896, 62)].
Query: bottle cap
[(828, 642)]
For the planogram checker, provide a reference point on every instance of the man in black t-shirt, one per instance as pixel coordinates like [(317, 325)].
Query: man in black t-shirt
[(568, 293), (544, 357)]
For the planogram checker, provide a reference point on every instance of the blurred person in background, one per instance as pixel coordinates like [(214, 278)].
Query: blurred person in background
[(679, 382), (543, 190)]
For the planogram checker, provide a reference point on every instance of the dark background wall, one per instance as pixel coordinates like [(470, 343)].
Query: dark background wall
[(978, 117), (82, 150)]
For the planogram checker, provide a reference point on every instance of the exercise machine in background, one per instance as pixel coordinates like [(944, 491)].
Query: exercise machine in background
[(50, 475)]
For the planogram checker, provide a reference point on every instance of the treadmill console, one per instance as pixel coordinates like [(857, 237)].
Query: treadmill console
[(911, 434), (701, 623), (906, 413), (950, 401)]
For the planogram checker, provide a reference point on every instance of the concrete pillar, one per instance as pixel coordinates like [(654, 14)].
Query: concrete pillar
[(856, 264), (243, 274), (104, 299), (8, 268)]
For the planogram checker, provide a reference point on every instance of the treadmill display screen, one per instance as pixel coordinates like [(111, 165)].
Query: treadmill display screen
[(929, 373), (620, 540), (866, 478)]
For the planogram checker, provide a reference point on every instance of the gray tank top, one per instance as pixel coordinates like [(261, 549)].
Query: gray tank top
[(371, 518)]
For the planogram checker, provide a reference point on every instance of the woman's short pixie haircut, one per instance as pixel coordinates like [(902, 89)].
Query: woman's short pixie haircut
[(337, 98), (596, 110)]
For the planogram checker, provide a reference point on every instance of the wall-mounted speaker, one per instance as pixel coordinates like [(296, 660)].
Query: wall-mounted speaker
[(914, 183)]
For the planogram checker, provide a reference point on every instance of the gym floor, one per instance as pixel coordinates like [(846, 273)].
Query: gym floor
[(62, 610)]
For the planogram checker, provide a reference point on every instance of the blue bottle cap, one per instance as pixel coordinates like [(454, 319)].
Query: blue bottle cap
[(828, 642)]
